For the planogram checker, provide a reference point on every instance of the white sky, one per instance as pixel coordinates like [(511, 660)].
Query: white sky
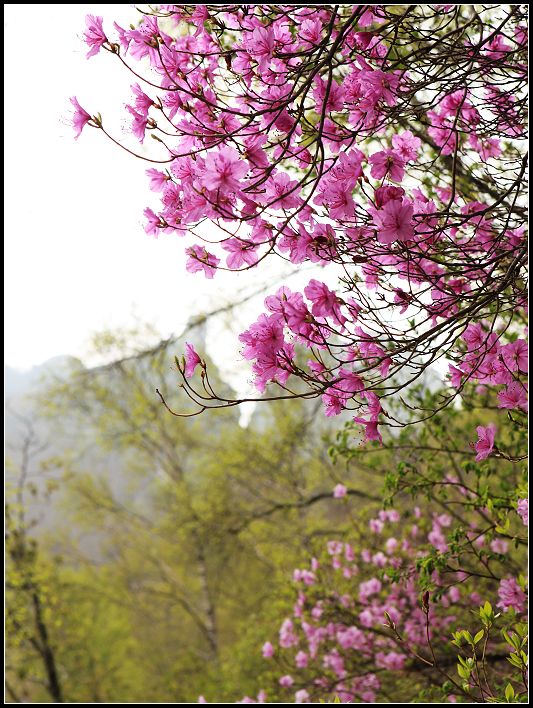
[(77, 257)]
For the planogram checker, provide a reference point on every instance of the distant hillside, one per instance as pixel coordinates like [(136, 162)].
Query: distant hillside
[(27, 434), (20, 382), (45, 438)]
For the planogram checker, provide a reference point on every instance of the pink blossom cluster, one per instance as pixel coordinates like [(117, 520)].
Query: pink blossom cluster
[(334, 643), (511, 595), (320, 174), (490, 362), (298, 134), (523, 510)]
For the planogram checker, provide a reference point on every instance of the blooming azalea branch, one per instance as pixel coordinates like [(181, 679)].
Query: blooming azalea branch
[(383, 146)]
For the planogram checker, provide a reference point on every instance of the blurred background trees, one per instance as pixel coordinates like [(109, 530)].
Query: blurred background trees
[(168, 536), (172, 542)]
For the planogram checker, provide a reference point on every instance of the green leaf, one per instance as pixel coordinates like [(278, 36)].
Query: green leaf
[(509, 693), (514, 660), (467, 636), (463, 671), (479, 636)]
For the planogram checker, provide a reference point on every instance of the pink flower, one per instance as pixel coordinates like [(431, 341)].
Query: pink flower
[(142, 39), (80, 117), (301, 696), (394, 661), (402, 298), (376, 526), (335, 99), (348, 168), (286, 681), (123, 38), (371, 429), (391, 545), (499, 546), (304, 576), (264, 336), (158, 179), (287, 637), (454, 594), (301, 659), (489, 147), (522, 510), (273, 367), (139, 123), (200, 259), (366, 556), (387, 193), (310, 31), (407, 145), (240, 253), (94, 35), (455, 375), (334, 548), (191, 360), (154, 223), (339, 491), (383, 85), (387, 162), (474, 336), (379, 559), (368, 588), (515, 355), (485, 441), (394, 221), (260, 46), (282, 192), (436, 538), (337, 197), (142, 102), (254, 152), (325, 301), (389, 515), (268, 650), (198, 17), (366, 618), (224, 170), (511, 595), (514, 396), (441, 131), (341, 391)]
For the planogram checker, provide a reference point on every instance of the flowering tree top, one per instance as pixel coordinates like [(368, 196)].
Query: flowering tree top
[(384, 142)]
